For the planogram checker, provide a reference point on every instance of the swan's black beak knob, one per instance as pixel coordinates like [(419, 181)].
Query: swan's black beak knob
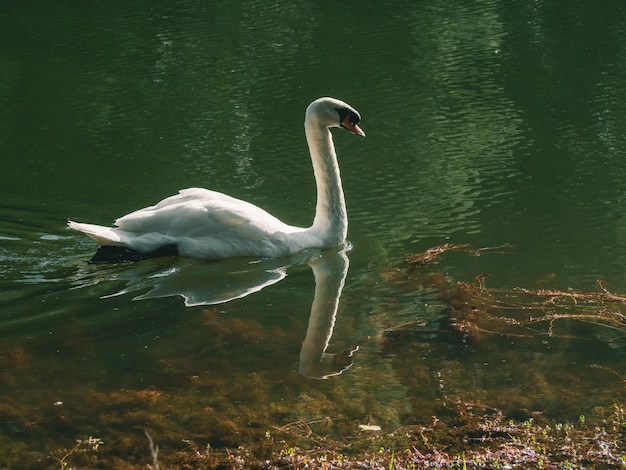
[(349, 119), (352, 126)]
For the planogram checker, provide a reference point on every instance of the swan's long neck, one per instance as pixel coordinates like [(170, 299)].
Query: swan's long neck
[(331, 218)]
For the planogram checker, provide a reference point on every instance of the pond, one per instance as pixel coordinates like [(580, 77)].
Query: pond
[(494, 129)]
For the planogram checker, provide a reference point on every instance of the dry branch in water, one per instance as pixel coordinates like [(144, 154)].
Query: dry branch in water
[(476, 310), (430, 256)]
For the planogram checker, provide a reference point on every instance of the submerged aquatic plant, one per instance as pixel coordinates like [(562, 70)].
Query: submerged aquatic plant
[(91, 444), (452, 416), (475, 309), (479, 309)]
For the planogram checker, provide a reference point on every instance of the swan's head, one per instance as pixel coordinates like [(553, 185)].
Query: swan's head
[(331, 112)]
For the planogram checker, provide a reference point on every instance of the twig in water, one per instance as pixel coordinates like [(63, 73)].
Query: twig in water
[(154, 451)]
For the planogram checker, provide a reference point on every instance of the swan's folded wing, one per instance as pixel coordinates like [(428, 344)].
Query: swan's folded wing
[(202, 213), (192, 197), (246, 221)]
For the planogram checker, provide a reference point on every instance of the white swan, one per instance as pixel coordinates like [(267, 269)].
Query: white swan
[(206, 224)]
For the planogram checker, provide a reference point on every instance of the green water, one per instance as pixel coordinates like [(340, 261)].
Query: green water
[(487, 123)]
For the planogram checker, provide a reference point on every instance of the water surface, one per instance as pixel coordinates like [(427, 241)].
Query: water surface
[(487, 124)]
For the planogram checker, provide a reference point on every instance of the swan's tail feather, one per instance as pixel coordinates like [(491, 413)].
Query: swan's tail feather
[(121, 254), (106, 236), (113, 250)]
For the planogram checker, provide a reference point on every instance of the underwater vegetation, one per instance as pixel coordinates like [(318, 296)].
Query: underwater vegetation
[(482, 386)]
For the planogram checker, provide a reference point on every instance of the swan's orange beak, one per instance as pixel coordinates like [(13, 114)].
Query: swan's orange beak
[(352, 127)]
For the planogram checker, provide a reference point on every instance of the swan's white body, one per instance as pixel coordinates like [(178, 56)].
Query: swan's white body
[(211, 225)]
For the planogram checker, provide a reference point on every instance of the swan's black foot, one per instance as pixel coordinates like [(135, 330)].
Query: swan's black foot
[(121, 254)]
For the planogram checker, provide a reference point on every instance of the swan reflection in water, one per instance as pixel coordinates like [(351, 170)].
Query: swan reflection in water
[(330, 270), (201, 283)]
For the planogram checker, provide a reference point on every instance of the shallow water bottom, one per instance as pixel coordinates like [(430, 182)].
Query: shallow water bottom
[(228, 376)]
